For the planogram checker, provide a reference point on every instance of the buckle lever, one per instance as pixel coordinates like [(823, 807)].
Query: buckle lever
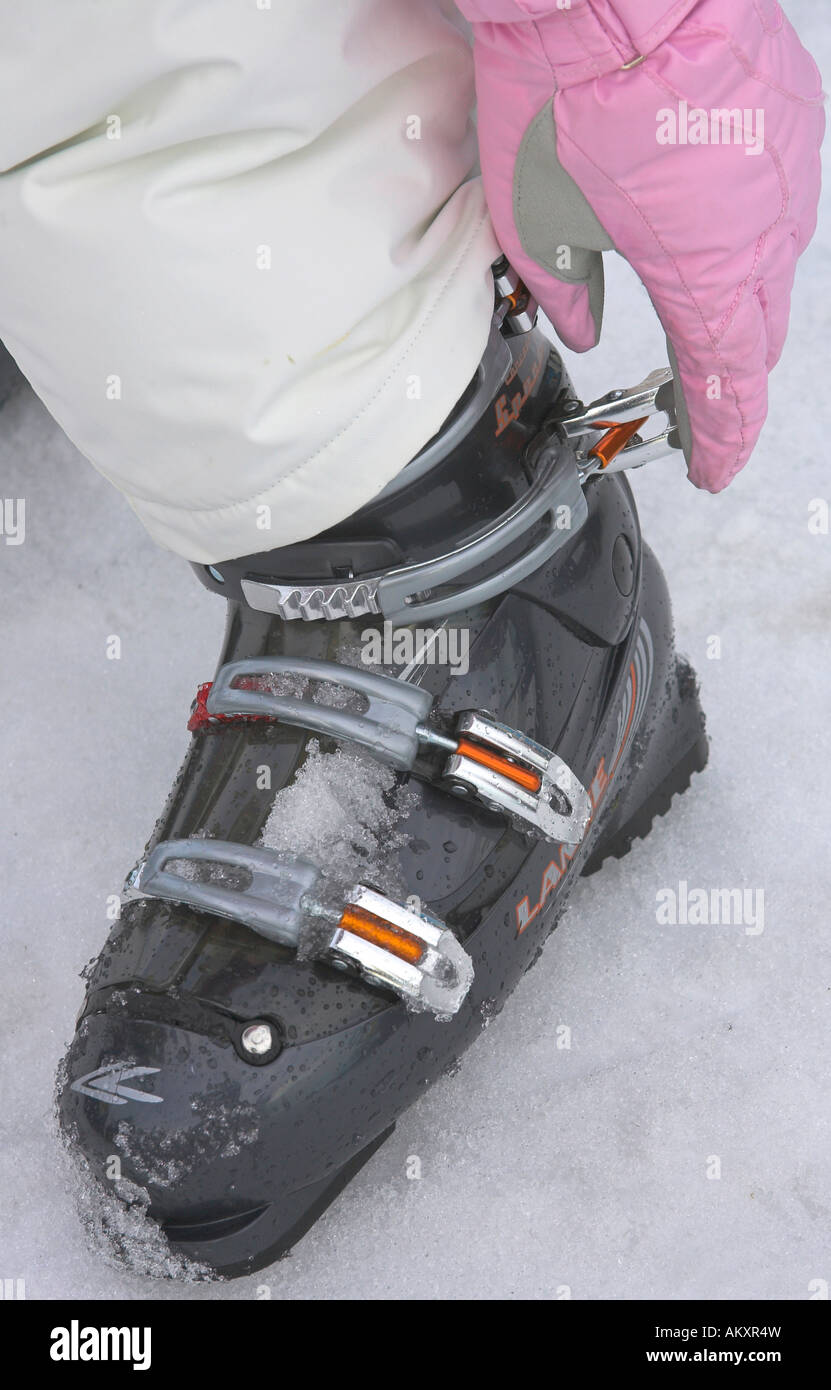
[(516, 307), (606, 434), (514, 774), (411, 952)]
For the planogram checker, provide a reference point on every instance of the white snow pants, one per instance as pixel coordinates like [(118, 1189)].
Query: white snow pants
[(242, 259)]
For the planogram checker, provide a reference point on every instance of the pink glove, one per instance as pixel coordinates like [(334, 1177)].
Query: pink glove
[(685, 135)]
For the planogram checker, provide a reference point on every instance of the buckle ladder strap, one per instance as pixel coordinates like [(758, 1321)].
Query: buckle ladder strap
[(412, 953), (443, 585), (388, 728), (271, 903)]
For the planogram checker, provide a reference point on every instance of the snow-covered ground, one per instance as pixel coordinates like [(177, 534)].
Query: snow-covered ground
[(545, 1169)]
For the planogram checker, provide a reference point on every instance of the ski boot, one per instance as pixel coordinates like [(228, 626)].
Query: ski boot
[(367, 846), (9, 375)]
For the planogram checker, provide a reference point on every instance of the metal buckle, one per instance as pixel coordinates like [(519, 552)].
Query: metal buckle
[(606, 434), (434, 588), (441, 586), (516, 307), (342, 599), (511, 773), (500, 765), (408, 951), (271, 900), (411, 952)]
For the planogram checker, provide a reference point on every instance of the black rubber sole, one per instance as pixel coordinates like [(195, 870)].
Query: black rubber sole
[(10, 376), (657, 804)]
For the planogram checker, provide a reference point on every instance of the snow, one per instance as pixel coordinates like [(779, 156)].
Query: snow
[(344, 813), (573, 1153)]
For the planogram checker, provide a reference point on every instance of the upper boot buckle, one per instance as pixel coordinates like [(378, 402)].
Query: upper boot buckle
[(606, 435)]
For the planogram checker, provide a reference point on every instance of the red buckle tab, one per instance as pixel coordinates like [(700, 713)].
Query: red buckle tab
[(201, 718)]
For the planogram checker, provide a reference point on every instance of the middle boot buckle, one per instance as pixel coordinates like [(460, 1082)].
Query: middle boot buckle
[(501, 766), (514, 774)]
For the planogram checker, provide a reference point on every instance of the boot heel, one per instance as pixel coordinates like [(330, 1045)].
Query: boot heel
[(677, 741)]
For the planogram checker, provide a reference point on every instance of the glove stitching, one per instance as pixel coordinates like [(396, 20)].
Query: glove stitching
[(601, 23), (746, 63), (763, 21), (544, 53), (660, 28), (594, 63), (730, 313), (784, 186), (717, 354)]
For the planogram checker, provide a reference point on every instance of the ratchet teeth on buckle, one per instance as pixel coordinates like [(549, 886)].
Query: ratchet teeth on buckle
[(410, 952), (511, 773)]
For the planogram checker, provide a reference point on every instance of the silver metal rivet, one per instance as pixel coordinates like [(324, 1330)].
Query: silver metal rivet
[(258, 1039)]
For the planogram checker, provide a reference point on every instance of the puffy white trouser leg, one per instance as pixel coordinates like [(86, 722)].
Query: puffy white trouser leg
[(241, 257)]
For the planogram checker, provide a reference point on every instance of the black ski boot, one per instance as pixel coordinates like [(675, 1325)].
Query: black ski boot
[(424, 723), (9, 375)]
